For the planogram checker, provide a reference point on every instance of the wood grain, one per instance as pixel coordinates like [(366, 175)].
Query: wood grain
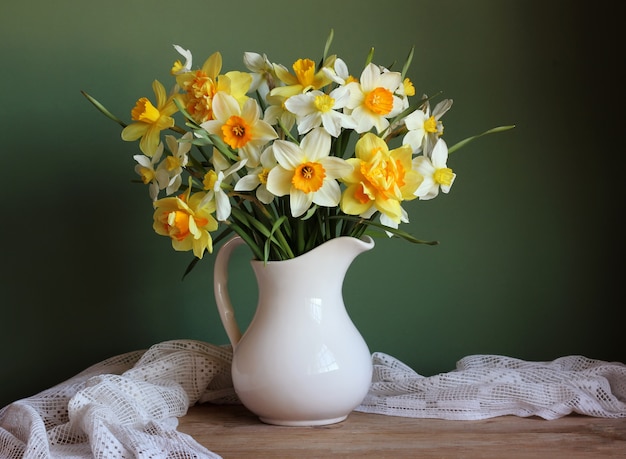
[(233, 432)]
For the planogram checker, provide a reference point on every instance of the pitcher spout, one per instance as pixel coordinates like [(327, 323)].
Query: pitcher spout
[(347, 247)]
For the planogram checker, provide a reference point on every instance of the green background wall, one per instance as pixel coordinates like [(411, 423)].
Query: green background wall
[(529, 236)]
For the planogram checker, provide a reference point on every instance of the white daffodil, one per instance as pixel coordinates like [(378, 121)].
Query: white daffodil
[(425, 128), (145, 167), (262, 72), (373, 99), (387, 221), (315, 108), (213, 181), (437, 175), (339, 72), (178, 66), (256, 179), (240, 127), (276, 114), (307, 173), (171, 168)]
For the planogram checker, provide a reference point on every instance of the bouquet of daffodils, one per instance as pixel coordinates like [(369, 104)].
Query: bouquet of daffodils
[(286, 159)]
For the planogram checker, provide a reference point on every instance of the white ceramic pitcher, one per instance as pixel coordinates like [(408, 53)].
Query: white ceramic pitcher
[(301, 361)]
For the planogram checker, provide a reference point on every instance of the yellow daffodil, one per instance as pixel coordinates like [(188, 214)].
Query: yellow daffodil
[(305, 77), (187, 220), (200, 86), (381, 179), (373, 99), (240, 128), (437, 175), (149, 120), (306, 172)]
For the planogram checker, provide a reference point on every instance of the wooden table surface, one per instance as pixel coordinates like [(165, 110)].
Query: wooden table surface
[(233, 432)]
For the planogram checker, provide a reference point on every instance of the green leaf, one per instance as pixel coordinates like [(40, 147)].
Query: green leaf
[(464, 142), (287, 133), (407, 64), (269, 235), (329, 40), (181, 108), (284, 247), (396, 232), (309, 213), (222, 147), (370, 57), (103, 110), (248, 240), (192, 264)]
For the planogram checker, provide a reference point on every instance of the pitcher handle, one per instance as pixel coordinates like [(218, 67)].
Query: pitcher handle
[(220, 284)]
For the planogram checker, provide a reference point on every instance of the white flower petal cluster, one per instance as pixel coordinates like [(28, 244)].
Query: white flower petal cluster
[(287, 156)]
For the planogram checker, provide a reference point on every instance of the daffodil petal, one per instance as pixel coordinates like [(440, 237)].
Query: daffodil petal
[(247, 183), (300, 105), (316, 144), (439, 155), (308, 122), (225, 106), (279, 181), (350, 204), (336, 167), (288, 154), (328, 195), (264, 196), (299, 202), (134, 131)]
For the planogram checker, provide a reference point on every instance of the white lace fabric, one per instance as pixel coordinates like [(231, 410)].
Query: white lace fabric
[(124, 407), (129, 405), (486, 386)]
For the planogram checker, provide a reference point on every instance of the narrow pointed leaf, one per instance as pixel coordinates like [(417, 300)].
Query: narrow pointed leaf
[(103, 110), (464, 142)]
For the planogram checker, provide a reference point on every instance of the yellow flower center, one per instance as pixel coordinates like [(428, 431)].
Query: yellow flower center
[(305, 71), (309, 177), (147, 175), (200, 91), (178, 224), (379, 101), (176, 67), (324, 103), (172, 163), (385, 175), (443, 176), (236, 132), (430, 125), (144, 111), (263, 176), (361, 194), (209, 180), (409, 89)]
